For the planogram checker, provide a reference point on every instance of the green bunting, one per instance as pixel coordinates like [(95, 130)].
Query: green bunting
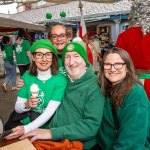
[(63, 14), (48, 16)]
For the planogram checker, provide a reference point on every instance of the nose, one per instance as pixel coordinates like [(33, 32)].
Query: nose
[(44, 58), (72, 60), (59, 38)]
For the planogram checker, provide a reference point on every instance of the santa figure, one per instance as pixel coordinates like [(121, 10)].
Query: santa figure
[(136, 40)]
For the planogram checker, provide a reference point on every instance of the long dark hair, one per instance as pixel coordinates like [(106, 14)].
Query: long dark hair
[(21, 34), (118, 91), (5, 41), (54, 66)]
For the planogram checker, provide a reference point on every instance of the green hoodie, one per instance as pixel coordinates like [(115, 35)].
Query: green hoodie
[(79, 116), (134, 123)]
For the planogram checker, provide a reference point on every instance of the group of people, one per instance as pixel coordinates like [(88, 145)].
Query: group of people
[(109, 112), (21, 49)]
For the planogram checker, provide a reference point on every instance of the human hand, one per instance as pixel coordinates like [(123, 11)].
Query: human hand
[(17, 132), (38, 134), (32, 102), (20, 84)]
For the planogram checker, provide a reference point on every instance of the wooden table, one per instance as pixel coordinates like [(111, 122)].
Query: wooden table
[(7, 142)]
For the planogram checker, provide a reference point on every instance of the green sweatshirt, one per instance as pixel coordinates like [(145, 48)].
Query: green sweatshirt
[(80, 113), (8, 54), (134, 123)]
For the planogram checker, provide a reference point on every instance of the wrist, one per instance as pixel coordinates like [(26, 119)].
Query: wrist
[(25, 106)]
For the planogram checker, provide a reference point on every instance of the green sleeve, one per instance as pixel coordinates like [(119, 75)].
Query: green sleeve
[(23, 92), (60, 88), (86, 128), (133, 122)]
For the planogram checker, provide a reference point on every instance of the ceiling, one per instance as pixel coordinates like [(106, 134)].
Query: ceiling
[(4, 2)]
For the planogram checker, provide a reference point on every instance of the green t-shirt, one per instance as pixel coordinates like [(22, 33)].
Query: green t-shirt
[(21, 52), (7, 54), (61, 66), (51, 89)]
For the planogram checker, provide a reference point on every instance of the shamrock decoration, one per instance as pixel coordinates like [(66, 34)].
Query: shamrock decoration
[(48, 16), (63, 14)]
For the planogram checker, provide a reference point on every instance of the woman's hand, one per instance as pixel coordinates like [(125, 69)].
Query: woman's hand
[(20, 84), (32, 102), (38, 134), (17, 132)]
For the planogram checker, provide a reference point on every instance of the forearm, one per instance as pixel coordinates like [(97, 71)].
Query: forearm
[(82, 130), (44, 117)]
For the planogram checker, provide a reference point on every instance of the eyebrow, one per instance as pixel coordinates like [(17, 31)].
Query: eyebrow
[(42, 53), (73, 54), (113, 63), (57, 34)]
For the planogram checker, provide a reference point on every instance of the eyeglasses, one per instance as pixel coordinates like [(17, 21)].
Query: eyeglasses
[(55, 37), (117, 66), (40, 55)]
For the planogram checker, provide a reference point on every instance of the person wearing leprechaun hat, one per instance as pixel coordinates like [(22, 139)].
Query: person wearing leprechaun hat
[(79, 116), (58, 37), (44, 80)]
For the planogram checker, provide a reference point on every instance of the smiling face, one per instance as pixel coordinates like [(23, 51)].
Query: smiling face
[(115, 75), (75, 65), (45, 62), (61, 42)]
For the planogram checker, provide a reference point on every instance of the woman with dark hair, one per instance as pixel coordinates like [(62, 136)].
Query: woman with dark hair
[(21, 48), (42, 92), (9, 64), (125, 124)]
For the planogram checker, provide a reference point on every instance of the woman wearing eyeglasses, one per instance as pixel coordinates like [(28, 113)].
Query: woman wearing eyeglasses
[(44, 80), (125, 123)]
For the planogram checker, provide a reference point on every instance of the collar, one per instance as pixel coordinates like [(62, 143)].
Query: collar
[(44, 75)]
